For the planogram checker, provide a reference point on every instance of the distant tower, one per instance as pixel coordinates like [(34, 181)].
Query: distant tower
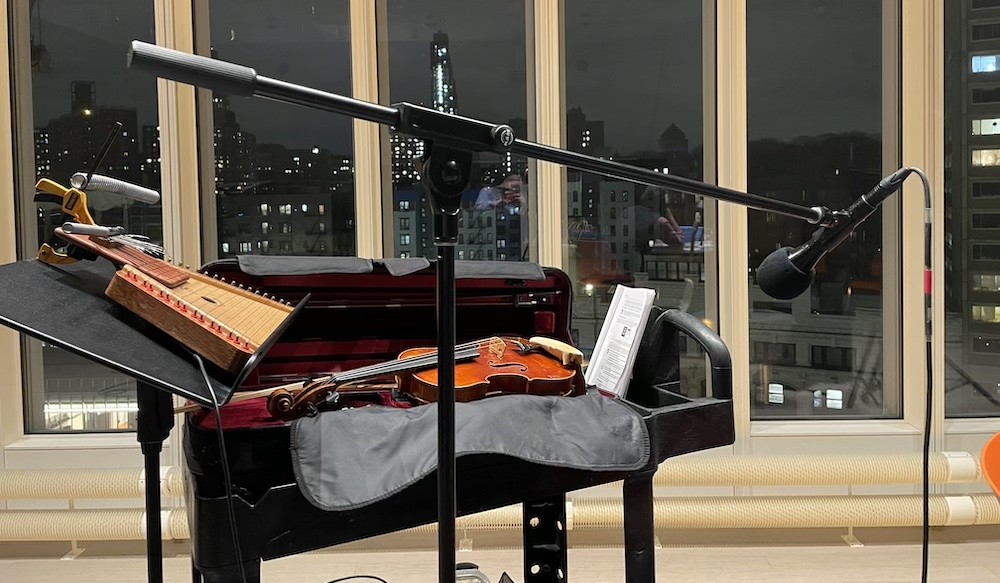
[(443, 91), (83, 97), (673, 139)]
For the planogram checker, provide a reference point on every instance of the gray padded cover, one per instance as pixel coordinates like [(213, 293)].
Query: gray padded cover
[(262, 265), (350, 458), (465, 269), (399, 266)]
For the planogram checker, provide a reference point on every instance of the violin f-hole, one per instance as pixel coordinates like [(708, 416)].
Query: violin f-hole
[(496, 364)]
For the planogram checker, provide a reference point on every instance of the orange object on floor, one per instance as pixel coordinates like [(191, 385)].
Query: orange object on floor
[(990, 461)]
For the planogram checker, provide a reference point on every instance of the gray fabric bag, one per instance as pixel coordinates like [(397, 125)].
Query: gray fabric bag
[(353, 457)]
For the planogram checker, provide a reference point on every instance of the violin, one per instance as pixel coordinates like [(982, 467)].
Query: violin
[(483, 368)]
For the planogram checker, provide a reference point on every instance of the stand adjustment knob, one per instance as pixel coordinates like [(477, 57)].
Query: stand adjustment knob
[(503, 137)]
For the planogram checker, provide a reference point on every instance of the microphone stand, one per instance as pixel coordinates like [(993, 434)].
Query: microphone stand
[(450, 141)]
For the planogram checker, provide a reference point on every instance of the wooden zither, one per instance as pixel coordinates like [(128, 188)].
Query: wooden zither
[(224, 323)]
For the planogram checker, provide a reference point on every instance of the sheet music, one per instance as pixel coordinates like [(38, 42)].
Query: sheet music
[(614, 354)]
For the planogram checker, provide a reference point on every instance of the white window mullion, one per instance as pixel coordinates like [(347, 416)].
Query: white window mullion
[(549, 83), (731, 168), (368, 222), (11, 419)]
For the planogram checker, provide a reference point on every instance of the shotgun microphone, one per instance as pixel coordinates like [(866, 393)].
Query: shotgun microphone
[(787, 272), (115, 186)]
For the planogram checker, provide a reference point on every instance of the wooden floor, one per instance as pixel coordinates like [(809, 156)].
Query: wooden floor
[(956, 562)]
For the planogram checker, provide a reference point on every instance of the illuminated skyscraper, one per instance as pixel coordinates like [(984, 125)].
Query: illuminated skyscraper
[(443, 92)]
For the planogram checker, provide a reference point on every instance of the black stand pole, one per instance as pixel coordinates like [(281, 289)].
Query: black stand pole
[(446, 173), (155, 420)]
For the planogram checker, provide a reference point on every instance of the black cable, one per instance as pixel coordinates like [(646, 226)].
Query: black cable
[(929, 405), (227, 479)]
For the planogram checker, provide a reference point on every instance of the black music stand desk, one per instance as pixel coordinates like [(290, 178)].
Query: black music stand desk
[(66, 307)]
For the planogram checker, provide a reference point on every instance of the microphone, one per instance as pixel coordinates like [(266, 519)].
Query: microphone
[(787, 272), (113, 185)]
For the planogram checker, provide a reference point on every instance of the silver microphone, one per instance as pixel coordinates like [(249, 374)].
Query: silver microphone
[(113, 185)]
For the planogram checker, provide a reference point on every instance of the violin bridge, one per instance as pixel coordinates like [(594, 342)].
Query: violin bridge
[(497, 347)]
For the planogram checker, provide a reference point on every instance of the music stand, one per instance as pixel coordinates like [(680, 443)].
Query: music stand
[(66, 307)]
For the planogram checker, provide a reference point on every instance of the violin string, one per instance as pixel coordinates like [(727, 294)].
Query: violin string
[(390, 367), (403, 365)]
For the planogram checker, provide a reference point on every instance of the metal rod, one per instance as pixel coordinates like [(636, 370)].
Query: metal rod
[(613, 169), (446, 494), (315, 99)]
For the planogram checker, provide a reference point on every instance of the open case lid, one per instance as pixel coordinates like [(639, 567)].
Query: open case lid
[(66, 307)]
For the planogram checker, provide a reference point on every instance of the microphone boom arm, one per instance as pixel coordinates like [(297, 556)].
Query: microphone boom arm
[(441, 128)]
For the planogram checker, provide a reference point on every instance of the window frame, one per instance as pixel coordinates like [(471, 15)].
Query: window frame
[(189, 215)]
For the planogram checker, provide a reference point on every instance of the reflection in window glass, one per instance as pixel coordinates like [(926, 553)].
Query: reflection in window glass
[(446, 55), (276, 156), (76, 98), (972, 283), (640, 103), (817, 152)]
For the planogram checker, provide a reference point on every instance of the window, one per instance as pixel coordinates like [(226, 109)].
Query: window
[(265, 228), (774, 353), (299, 158), (832, 358), (437, 60), (986, 220), (265, 209), (986, 95), (985, 189), (286, 228), (404, 239), (245, 247), (285, 246), (404, 223), (984, 63), (985, 313), (787, 131), (989, 31), (71, 99), (225, 247), (986, 251), (984, 158), (619, 104), (986, 283), (986, 127)]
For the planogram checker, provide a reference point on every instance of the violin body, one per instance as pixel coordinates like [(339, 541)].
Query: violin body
[(502, 368)]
